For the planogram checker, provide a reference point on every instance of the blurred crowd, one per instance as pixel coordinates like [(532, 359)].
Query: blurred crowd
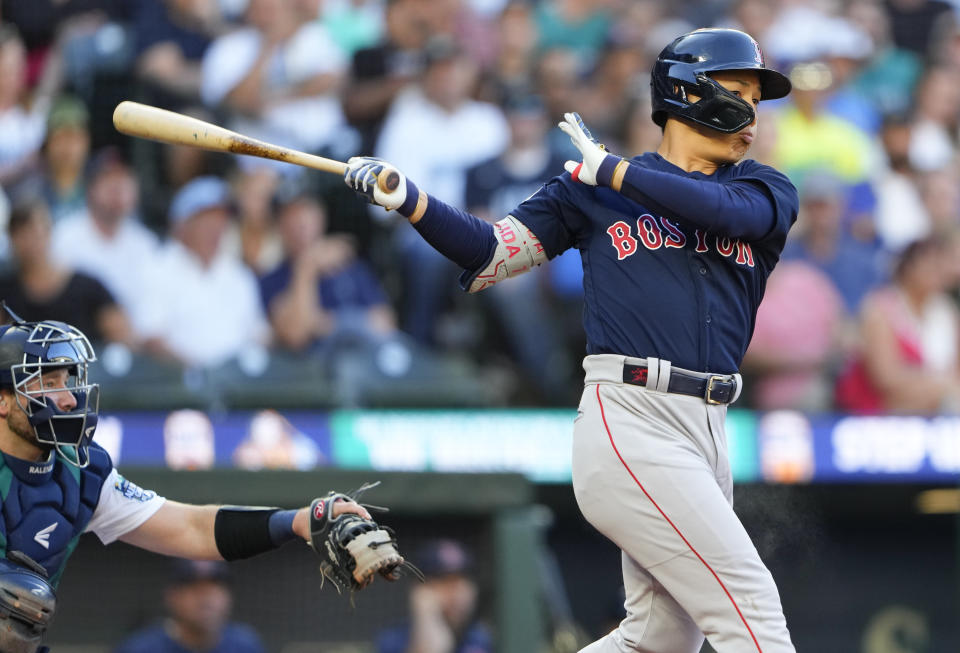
[(172, 256)]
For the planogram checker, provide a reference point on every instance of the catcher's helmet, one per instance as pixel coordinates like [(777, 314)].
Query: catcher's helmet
[(684, 66), (31, 349), (27, 605)]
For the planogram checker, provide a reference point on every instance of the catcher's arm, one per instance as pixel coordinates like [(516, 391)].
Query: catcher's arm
[(224, 532)]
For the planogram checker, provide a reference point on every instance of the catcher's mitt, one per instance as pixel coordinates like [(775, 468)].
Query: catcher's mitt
[(353, 549)]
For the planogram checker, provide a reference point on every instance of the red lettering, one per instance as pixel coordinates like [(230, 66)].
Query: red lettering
[(744, 253), (724, 246), (507, 234), (513, 251), (701, 241), (623, 242), (649, 231), (676, 238)]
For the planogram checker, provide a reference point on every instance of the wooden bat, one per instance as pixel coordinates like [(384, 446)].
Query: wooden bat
[(144, 121)]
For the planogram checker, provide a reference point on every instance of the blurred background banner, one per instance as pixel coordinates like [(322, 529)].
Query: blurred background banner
[(775, 447)]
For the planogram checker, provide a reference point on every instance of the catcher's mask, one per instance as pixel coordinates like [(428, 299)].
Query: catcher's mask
[(27, 605), (28, 352), (683, 68)]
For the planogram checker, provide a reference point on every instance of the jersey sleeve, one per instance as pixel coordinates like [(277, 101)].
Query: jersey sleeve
[(552, 215), (123, 506), (781, 192), (751, 203)]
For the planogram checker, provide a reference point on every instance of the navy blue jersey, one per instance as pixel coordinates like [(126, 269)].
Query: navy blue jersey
[(654, 283), (47, 505)]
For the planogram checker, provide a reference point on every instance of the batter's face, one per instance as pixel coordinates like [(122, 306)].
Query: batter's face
[(730, 148)]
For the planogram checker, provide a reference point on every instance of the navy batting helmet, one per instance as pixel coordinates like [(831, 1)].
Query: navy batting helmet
[(684, 68), (27, 605), (29, 350)]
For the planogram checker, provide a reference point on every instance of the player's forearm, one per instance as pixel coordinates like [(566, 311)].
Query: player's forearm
[(463, 238), (739, 210)]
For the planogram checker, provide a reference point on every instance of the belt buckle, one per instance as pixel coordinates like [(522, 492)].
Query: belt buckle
[(711, 381)]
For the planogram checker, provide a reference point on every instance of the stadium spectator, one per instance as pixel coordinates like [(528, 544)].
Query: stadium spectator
[(512, 69), (107, 241), (801, 330), (941, 199), (915, 23), (416, 135), (810, 138), (280, 76), (170, 38), (888, 78), (900, 216), (820, 239), (442, 609), (847, 52), (65, 154), (908, 359), (22, 122), (198, 601), (205, 310), (579, 25), (379, 73), (935, 120), (321, 289), (38, 288), (254, 237)]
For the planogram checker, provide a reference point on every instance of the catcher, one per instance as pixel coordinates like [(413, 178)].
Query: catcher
[(56, 484)]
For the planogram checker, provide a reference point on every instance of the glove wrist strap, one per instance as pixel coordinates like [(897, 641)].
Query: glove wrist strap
[(411, 204), (611, 170)]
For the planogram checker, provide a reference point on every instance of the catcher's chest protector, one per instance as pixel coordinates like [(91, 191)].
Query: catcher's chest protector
[(47, 506)]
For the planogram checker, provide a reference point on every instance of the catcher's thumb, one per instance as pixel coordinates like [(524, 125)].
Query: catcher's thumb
[(573, 167)]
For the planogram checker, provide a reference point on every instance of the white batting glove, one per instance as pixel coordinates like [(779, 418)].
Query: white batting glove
[(593, 153), (362, 175)]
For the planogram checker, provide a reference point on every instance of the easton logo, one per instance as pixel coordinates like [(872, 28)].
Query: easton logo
[(43, 535)]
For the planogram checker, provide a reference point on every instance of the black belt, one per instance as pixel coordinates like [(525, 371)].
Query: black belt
[(714, 389)]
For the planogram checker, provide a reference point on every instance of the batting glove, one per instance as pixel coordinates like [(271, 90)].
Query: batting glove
[(362, 175), (593, 153)]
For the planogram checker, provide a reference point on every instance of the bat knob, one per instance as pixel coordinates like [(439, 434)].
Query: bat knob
[(389, 181)]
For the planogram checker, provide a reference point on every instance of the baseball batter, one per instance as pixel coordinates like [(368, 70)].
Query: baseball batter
[(677, 246)]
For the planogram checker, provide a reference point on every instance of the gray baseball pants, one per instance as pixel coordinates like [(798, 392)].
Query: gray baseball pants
[(651, 472)]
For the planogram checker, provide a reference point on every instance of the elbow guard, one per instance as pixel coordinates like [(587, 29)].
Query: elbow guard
[(518, 249)]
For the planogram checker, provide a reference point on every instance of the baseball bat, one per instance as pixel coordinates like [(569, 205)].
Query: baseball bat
[(144, 121)]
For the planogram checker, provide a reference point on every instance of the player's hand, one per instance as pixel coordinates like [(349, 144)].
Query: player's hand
[(593, 153), (362, 175), (301, 521)]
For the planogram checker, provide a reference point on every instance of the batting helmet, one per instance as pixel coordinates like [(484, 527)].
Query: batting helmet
[(27, 605), (683, 68), (30, 349)]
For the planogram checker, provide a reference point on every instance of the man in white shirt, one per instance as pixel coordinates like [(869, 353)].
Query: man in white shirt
[(437, 130), (281, 75), (205, 303), (107, 241)]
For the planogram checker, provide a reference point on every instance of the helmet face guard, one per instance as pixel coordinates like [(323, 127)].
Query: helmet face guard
[(683, 68), (47, 347)]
